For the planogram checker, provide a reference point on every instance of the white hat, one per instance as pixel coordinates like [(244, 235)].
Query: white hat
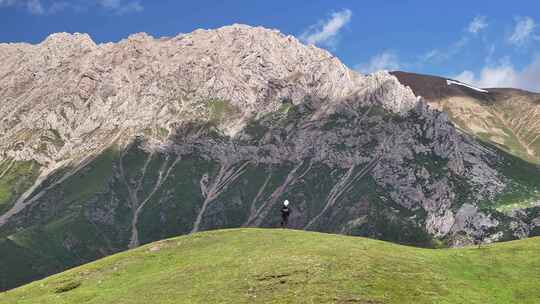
[(286, 202)]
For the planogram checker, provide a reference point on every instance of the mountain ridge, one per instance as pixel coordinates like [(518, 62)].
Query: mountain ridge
[(106, 147), (505, 117), (58, 47)]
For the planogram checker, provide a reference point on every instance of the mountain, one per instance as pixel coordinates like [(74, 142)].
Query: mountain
[(106, 147), (290, 266), (507, 118), (502, 117)]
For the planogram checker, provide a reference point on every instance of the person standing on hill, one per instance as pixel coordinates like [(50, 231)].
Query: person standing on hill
[(285, 212)]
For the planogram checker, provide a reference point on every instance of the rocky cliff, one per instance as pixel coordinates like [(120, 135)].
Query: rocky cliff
[(104, 147)]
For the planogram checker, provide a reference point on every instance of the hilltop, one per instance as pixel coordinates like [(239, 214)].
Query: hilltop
[(289, 266)]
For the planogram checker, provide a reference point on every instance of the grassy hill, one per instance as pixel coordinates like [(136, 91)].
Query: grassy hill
[(289, 266)]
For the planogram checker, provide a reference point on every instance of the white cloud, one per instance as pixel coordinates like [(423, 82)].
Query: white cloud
[(59, 6), (490, 52), (37, 7), (110, 3), (386, 60), (490, 77), (134, 6), (437, 55), (324, 33), (430, 55), (33, 6), (523, 31), (505, 74), (121, 7), (477, 24), (9, 2)]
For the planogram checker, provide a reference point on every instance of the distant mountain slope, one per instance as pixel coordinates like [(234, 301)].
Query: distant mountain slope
[(508, 118), (288, 266), (106, 147)]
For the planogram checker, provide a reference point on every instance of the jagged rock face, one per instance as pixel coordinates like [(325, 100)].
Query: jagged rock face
[(89, 93), (508, 118), (505, 118), (126, 143)]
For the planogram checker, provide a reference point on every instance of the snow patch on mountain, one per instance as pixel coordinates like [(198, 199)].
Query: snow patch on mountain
[(449, 82)]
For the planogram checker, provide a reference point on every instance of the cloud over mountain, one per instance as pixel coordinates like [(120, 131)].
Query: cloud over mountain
[(523, 31), (325, 32), (504, 74), (387, 60), (478, 24)]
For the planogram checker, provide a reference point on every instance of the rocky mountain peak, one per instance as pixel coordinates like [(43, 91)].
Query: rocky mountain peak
[(56, 39), (87, 94), (65, 44)]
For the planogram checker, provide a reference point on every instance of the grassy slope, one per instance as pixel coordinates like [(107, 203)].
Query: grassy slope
[(287, 266), (43, 245), (523, 189), (15, 178)]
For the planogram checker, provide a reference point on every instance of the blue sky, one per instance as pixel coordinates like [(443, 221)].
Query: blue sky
[(485, 43)]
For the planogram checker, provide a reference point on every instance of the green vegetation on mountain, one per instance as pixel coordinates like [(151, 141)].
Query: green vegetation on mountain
[(523, 189), (93, 212), (221, 110), (288, 266), (64, 236), (15, 178)]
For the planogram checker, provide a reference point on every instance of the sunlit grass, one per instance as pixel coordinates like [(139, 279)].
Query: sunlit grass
[(289, 266)]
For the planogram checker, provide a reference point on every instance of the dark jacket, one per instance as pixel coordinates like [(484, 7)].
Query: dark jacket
[(285, 211)]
